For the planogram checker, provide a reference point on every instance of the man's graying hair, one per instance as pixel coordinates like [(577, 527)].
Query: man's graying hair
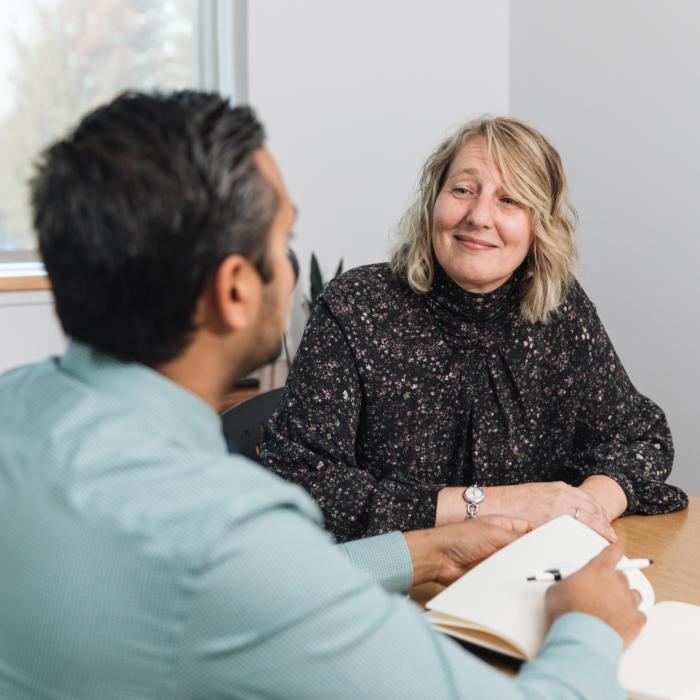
[(136, 208)]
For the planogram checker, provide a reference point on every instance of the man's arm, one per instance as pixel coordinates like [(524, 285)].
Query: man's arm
[(398, 561), (386, 559), (277, 611)]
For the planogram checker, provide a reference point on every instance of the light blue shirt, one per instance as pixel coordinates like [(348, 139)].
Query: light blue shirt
[(139, 560)]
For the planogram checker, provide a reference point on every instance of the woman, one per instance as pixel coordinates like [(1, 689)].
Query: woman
[(472, 374)]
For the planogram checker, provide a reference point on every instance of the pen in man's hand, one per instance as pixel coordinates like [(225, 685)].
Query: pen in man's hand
[(559, 574)]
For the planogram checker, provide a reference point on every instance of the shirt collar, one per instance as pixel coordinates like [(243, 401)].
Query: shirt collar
[(464, 317), (450, 299), (178, 412)]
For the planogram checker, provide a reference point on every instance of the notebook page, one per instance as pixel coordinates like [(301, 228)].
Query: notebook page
[(496, 596), (663, 663)]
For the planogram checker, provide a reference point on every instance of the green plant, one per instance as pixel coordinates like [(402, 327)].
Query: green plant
[(316, 281), (316, 285)]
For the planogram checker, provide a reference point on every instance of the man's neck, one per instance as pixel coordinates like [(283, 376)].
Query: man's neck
[(204, 370)]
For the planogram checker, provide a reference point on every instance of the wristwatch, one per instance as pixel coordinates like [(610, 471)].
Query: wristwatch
[(473, 495)]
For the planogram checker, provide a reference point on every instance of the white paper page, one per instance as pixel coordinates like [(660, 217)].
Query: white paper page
[(496, 595), (663, 663)]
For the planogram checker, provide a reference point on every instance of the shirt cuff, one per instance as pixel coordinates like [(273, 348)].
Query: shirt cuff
[(385, 558), (588, 630), (581, 655)]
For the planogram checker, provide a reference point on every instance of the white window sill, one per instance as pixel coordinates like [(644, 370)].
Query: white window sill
[(23, 277)]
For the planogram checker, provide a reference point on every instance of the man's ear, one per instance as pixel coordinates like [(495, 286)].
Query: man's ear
[(236, 293)]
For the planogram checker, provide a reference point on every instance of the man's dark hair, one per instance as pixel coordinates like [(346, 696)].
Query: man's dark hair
[(136, 208)]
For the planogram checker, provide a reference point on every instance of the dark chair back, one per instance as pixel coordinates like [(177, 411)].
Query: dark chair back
[(244, 424)]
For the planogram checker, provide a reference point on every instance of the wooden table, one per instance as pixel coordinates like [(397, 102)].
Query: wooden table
[(672, 541)]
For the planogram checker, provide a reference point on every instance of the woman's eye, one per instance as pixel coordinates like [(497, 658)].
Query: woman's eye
[(461, 190), (509, 201)]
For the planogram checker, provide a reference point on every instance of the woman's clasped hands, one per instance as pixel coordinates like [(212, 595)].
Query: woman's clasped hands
[(596, 503)]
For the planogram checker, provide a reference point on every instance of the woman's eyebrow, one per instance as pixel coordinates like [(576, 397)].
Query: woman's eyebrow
[(463, 171)]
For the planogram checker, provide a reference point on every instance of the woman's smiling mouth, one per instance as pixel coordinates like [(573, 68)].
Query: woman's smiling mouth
[(473, 243)]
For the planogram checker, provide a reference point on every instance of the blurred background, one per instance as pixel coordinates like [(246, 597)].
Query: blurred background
[(355, 96)]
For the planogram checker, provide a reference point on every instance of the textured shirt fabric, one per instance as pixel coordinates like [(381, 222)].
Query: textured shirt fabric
[(394, 395), (139, 560)]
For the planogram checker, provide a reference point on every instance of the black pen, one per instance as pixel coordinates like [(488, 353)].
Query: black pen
[(559, 574)]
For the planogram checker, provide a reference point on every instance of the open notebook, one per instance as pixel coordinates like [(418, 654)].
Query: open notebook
[(494, 606)]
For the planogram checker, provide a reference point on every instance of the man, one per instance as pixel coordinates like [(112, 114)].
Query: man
[(137, 559)]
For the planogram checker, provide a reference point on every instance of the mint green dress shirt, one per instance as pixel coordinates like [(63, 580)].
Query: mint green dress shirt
[(139, 560)]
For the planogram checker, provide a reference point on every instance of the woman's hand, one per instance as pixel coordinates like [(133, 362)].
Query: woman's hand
[(537, 502), (443, 554), (541, 502), (607, 492)]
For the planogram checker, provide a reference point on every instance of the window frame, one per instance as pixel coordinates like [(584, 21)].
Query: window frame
[(220, 57)]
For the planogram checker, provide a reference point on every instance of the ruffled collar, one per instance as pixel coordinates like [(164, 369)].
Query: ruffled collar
[(459, 313)]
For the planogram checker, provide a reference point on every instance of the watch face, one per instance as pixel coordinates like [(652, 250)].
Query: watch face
[(473, 494)]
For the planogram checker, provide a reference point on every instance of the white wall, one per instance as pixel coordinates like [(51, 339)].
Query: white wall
[(356, 94), (614, 84), (29, 328)]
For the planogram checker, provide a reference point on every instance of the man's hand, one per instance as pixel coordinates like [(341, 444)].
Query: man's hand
[(598, 589), (443, 554)]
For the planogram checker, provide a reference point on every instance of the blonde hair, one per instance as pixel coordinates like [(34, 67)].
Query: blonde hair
[(532, 171)]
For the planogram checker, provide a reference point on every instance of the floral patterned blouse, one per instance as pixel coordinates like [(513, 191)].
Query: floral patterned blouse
[(394, 395)]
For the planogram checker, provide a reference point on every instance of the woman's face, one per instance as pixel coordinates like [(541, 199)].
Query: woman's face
[(481, 234)]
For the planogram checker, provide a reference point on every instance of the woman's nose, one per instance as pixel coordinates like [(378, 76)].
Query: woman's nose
[(480, 214)]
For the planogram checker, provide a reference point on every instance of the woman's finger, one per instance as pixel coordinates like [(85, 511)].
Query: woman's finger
[(595, 503), (592, 505), (600, 525)]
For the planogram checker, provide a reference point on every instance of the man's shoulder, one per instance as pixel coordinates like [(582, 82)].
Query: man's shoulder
[(243, 489), (121, 473), (187, 501), (25, 377)]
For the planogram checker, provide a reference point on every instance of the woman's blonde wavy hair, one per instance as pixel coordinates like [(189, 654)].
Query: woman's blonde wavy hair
[(532, 172)]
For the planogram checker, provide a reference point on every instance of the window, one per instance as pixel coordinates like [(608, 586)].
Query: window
[(61, 58)]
